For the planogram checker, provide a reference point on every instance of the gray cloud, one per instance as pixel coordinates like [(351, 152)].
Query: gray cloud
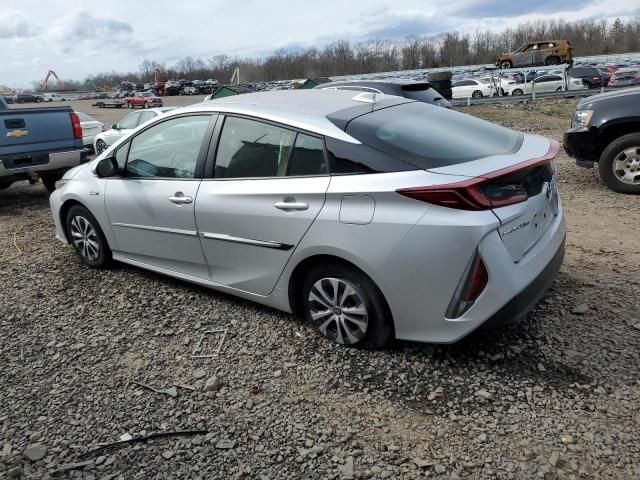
[(491, 8), (15, 24), (385, 24), (82, 26)]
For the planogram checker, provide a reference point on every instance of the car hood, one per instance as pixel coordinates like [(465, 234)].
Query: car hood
[(589, 102)]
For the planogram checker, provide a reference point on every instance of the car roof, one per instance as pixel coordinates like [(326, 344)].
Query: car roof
[(390, 81), (304, 109)]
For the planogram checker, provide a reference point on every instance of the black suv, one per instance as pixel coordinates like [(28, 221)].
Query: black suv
[(415, 90), (605, 128), (592, 77)]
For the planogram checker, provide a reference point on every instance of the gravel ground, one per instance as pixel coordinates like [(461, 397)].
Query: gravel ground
[(555, 397)]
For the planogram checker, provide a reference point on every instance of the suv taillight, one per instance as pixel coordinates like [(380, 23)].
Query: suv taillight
[(77, 128), (493, 190)]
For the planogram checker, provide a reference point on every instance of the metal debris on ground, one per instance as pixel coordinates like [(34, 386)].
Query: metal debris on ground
[(171, 391), (152, 436), (197, 350)]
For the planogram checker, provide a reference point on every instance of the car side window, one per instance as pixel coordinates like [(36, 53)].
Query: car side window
[(168, 149), (130, 121), (146, 116), (248, 148), (308, 157)]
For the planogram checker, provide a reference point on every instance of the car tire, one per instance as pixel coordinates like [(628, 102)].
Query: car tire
[(506, 64), (476, 94), (323, 290), (49, 181), (616, 161), (552, 61), (559, 89), (438, 76), (146, 105), (101, 146), (129, 104), (516, 91), (86, 237)]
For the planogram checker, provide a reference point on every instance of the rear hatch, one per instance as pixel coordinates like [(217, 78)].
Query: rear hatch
[(28, 130), (507, 172)]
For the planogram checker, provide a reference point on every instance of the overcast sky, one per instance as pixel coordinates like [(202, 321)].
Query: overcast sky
[(76, 38)]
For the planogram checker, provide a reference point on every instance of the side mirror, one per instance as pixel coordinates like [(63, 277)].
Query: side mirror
[(114, 126), (107, 167)]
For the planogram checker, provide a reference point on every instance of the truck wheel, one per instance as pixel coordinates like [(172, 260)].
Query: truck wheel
[(85, 234), (50, 180), (620, 164)]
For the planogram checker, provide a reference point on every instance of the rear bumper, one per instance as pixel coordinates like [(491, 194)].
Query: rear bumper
[(581, 144), (522, 303), (24, 164)]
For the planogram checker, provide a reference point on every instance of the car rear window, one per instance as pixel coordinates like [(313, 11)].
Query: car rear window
[(420, 91), (429, 137)]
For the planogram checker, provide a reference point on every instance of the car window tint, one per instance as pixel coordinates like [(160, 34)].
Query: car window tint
[(168, 149), (248, 148), (308, 157), (349, 158), (430, 137), (130, 121), (146, 116)]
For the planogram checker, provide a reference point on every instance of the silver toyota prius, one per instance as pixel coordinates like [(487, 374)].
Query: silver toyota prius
[(372, 216)]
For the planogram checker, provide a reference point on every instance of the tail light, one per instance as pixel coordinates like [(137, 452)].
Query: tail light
[(77, 128), (596, 78), (494, 190), (472, 284)]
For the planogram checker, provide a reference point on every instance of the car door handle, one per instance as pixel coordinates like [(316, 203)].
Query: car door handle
[(291, 206), (179, 199)]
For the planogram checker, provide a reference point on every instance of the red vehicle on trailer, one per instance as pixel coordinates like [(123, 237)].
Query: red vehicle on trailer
[(144, 100)]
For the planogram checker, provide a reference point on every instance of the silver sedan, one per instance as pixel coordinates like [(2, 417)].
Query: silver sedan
[(371, 216)]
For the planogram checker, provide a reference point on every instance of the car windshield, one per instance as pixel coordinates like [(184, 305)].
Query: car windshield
[(429, 137), (146, 94)]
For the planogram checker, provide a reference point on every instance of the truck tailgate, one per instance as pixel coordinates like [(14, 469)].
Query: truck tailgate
[(27, 130)]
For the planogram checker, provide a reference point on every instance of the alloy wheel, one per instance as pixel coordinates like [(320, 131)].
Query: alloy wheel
[(85, 238), (100, 147), (626, 166), (338, 310)]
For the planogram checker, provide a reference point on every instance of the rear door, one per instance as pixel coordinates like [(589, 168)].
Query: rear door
[(268, 186)]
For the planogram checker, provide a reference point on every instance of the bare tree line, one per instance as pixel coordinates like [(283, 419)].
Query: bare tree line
[(588, 37)]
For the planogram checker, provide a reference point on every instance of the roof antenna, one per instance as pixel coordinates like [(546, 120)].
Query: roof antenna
[(366, 97)]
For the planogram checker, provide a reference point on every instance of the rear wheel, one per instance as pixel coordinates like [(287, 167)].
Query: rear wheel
[(130, 105), (50, 180), (619, 164), (344, 305), (552, 61), (476, 94), (146, 104), (87, 238)]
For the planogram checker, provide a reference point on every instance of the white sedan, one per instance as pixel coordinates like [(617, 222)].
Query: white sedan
[(544, 84), (470, 87), (104, 140), (90, 128)]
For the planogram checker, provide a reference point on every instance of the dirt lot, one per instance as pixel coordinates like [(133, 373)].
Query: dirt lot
[(556, 397)]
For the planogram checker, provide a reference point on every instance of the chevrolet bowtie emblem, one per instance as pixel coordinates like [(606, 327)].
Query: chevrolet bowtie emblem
[(17, 133)]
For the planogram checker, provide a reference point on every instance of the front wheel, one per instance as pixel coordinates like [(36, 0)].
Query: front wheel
[(87, 238), (344, 305), (506, 64), (101, 146), (619, 164), (517, 91)]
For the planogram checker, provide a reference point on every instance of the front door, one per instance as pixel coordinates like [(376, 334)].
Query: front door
[(269, 185), (151, 205)]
